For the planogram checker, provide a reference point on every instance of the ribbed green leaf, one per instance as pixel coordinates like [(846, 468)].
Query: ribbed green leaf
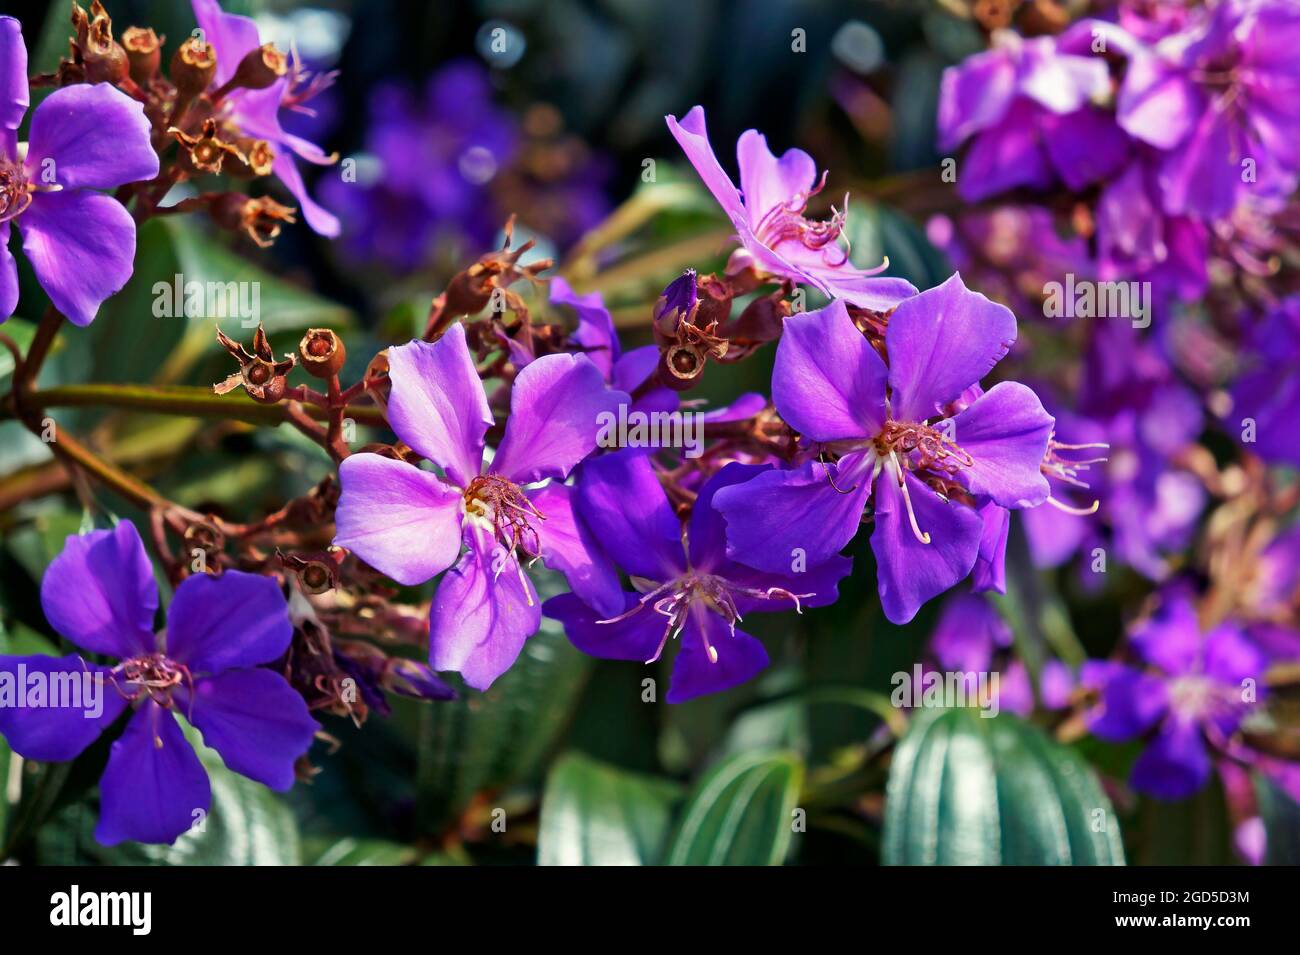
[(594, 814), (350, 851), (969, 790), (740, 812)]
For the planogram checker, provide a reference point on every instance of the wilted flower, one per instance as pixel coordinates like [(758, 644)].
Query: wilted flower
[(768, 213), (411, 524), (83, 139), (100, 594)]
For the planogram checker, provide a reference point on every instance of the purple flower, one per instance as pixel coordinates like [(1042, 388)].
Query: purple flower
[(82, 139), (891, 426), (100, 594), (1028, 107), (1268, 390), (689, 588), (968, 633), (411, 523), (1220, 100), (257, 112), (1192, 697), (767, 212)]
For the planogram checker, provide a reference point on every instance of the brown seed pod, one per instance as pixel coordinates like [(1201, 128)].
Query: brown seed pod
[(321, 353)]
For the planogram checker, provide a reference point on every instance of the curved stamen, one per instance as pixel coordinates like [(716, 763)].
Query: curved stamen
[(1077, 511), (922, 536)]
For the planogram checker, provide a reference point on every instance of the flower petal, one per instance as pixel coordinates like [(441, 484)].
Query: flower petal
[(767, 182), (555, 409), (625, 506), (974, 95), (940, 343), (595, 331), (782, 520), (14, 96), (322, 221), (77, 702), (437, 404), (93, 137), (82, 248), (910, 572), (484, 610), (1131, 703), (569, 547), (692, 135), (1171, 639), (1005, 431), (154, 788), (828, 382), (990, 571), (400, 520), (1158, 103), (8, 275), (1175, 765), (740, 657), (706, 532), (636, 638), (255, 720), (100, 593), (233, 37), (220, 623)]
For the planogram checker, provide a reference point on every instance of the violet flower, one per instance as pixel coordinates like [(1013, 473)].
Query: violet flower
[(1267, 391), (256, 112), (890, 426), (100, 594), (83, 139), (1188, 702), (689, 588), (768, 213), (1215, 97), (411, 524), (1030, 109)]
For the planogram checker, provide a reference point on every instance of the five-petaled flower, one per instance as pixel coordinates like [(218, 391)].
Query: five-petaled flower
[(100, 594), (893, 425), (410, 523), (768, 213), (82, 139), (689, 587)]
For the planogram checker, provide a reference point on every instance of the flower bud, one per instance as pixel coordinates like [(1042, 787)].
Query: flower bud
[(676, 305), (144, 51), (259, 68), (104, 58), (321, 353), (193, 65)]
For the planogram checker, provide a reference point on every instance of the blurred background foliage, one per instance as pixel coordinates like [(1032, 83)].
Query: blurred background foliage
[(563, 750)]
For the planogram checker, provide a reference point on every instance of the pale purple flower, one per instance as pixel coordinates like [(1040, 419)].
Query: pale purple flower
[(257, 112), (768, 214), (1031, 112), (1220, 98), (100, 594), (689, 589), (895, 433), (412, 524), (82, 139)]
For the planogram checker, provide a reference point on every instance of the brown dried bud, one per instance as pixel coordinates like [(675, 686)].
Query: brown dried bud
[(259, 219), (259, 68), (470, 291), (254, 158), (207, 538), (144, 51), (193, 65), (105, 60), (681, 366), (207, 152), (260, 375), (321, 353)]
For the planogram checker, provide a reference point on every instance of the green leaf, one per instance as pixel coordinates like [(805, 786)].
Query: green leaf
[(968, 790), (595, 814), (487, 741), (349, 851), (1281, 815), (740, 812)]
